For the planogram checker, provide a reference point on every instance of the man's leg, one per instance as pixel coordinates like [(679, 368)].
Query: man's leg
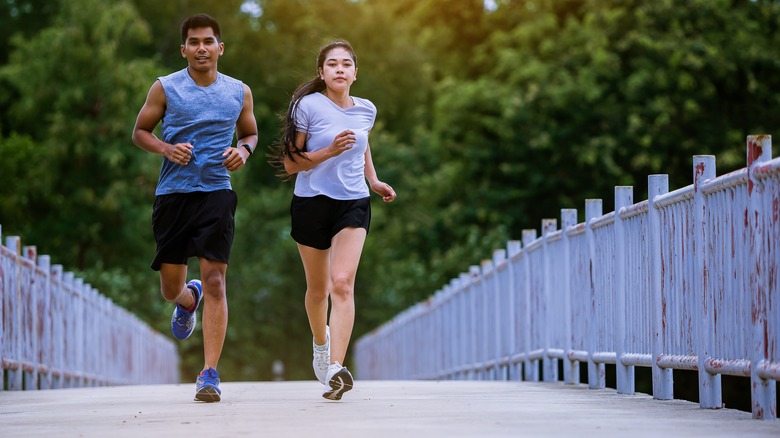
[(173, 287), (215, 310)]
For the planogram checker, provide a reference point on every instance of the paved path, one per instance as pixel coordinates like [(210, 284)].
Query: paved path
[(374, 409)]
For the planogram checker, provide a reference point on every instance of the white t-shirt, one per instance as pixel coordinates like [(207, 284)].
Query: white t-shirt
[(341, 177)]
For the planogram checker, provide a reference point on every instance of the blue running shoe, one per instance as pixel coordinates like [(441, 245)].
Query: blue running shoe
[(183, 321), (207, 386)]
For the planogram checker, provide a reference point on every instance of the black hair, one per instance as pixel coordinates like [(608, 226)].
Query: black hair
[(286, 147), (198, 21)]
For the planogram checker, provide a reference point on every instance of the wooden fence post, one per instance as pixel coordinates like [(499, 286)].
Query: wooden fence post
[(596, 370), (571, 372), (764, 400), (624, 374), (531, 367), (663, 388), (709, 384), (549, 364)]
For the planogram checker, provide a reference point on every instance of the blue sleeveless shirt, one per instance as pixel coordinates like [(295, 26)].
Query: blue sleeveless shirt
[(205, 117)]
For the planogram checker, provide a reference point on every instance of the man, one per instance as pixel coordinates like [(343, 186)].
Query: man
[(200, 110)]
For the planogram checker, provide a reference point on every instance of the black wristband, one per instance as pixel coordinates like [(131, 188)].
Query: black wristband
[(247, 148)]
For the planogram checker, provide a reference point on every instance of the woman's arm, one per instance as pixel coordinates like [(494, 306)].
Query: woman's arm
[(380, 188), (343, 142)]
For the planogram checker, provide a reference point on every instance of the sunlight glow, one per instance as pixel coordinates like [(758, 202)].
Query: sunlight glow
[(252, 8)]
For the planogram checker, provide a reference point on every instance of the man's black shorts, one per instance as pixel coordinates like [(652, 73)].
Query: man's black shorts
[(315, 220), (197, 224)]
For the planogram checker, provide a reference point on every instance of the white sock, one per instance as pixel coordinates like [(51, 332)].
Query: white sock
[(324, 346)]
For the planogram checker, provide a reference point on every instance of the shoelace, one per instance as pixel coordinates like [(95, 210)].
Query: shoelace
[(322, 359), (182, 315)]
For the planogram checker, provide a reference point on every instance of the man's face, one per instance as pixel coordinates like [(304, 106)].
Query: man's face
[(202, 49)]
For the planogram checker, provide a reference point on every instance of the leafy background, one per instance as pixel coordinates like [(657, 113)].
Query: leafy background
[(492, 116)]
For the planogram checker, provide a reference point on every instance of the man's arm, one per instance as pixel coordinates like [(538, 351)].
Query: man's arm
[(246, 132), (148, 118)]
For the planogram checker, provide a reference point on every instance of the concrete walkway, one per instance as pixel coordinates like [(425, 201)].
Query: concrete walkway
[(374, 409)]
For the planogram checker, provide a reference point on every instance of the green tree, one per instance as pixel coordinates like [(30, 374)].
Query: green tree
[(85, 185)]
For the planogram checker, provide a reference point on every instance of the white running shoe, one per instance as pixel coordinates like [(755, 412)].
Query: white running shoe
[(339, 381), (321, 360)]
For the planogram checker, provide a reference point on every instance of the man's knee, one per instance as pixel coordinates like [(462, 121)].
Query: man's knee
[(214, 284)]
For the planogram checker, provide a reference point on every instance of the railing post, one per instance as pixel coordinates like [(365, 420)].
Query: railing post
[(571, 370), (596, 372), (46, 347), (499, 257), (549, 364), (484, 296), (663, 385), (624, 374), (764, 400), (474, 273), (709, 384), (531, 368), (512, 249), (68, 336), (464, 347), (30, 333), (79, 332), (14, 306), (57, 332)]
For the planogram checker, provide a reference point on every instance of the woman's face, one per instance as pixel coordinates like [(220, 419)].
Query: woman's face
[(339, 70)]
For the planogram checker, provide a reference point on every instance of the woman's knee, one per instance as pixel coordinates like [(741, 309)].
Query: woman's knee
[(343, 288)]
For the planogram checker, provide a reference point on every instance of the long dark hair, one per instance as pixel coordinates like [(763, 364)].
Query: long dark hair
[(285, 146)]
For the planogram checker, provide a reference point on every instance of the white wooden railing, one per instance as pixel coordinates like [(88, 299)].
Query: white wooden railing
[(57, 331), (686, 280)]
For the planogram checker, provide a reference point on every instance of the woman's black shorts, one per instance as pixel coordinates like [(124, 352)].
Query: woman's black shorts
[(315, 220), (197, 224)]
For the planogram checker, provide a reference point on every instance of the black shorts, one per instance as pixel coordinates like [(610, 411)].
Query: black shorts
[(315, 220), (197, 224)]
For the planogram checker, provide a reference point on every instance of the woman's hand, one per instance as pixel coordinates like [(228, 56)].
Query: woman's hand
[(343, 142), (384, 190)]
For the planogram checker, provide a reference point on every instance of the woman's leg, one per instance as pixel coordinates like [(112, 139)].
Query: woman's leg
[(316, 264), (345, 251)]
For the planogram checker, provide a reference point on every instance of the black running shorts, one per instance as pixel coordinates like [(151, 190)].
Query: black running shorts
[(197, 224), (315, 220)]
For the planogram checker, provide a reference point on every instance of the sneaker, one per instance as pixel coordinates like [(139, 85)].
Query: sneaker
[(207, 386), (339, 381), (183, 321), (321, 360)]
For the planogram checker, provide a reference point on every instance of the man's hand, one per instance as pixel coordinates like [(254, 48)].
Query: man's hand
[(179, 153), (236, 158)]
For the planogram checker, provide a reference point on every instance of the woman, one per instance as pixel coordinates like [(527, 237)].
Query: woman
[(325, 144)]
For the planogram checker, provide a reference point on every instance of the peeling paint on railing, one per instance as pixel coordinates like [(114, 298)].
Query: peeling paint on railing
[(58, 332), (688, 279)]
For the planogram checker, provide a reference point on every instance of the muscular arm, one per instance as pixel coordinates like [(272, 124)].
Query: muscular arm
[(148, 118), (246, 133)]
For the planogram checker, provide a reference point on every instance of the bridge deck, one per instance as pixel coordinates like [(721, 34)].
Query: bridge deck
[(373, 409)]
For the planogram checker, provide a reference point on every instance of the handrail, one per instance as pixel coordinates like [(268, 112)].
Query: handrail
[(56, 331), (687, 280)]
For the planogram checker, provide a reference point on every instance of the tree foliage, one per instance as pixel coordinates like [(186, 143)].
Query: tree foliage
[(489, 121)]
